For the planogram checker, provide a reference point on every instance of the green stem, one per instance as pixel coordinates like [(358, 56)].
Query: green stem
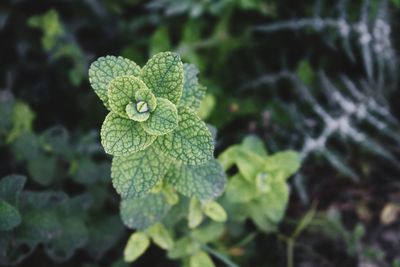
[(290, 245), (220, 256)]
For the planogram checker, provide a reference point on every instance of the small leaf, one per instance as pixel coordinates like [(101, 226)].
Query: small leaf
[(201, 259), (135, 175), (160, 235), (207, 105), (191, 142), (255, 144), (183, 247), (163, 75), (215, 211), (104, 69), (148, 97), (137, 245), (206, 181), (287, 163), (140, 213), (193, 93), (163, 119), (122, 91), (11, 188), (240, 190), (121, 136), (9, 216), (195, 215), (212, 231)]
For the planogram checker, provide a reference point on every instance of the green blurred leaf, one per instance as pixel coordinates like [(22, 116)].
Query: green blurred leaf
[(201, 259), (9, 216), (137, 244), (161, 236)]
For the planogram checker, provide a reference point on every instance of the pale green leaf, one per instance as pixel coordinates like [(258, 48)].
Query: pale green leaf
[(163, 119), (206, 181), (140, 213), (104, 69), (195, 215), (132, 111), (191, 142), (193, 93), (240, 190), (163, 74), (201, 259), (122, 91), (135, 175), (161, 236), (209, 232), (22, 119), (286, 163), (121, 136), (148, 97), (9, 216), (206, 106), (254, 144), (137, 245), (184, 247), (215, 211)]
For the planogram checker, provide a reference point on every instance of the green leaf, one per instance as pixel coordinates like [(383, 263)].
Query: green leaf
[(193, 93), (74, 235), (183, 247), (121, 136), (135, 175), (148, 97), (206, 106), (163, 119), (209, 232), (215, 211), (140, 213), (160, 41), (201, 259), (206, 181), (254, 144), (42, 169), (137, 245), (122, 91), (9, 216), (163, 75), (11, 188), (160, 235), (104, 69), (22, 119), (195, 215), (191, 142), (240, 190), (286, 163)]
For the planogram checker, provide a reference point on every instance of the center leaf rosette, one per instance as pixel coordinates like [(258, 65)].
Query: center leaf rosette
[(153, 130)]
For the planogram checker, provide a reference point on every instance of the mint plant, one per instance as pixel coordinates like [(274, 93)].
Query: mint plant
[(158, 141)]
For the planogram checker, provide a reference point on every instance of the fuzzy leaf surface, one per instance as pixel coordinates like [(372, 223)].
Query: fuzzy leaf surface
[(193, 93), (163, 75), (136, 174), (163, 119), (104, 69), (191, 142), (206, 181), (121, 136)]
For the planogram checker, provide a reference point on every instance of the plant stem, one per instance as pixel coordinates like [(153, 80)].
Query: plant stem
[(289, 255), (220, 256)]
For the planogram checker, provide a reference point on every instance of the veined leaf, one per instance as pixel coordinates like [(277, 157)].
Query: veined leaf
[(191, 142), (122, 91), (193, 93), (104, 69), (140, 213), (121, 136), (11, 187), (163, 75), (163, 119), (206, 181), (135, 175)]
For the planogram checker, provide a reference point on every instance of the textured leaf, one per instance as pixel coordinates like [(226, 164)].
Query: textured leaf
[(135, 175), (121, 136), (161, 236), (137, 244), (148, 97), (122, 91), (215, 211), (201, 259), (163, 74), (193, 93), (140, 213), (104, 69), (163, 119), (191, 142), (9, 216), (11, 187), (206, 181)]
